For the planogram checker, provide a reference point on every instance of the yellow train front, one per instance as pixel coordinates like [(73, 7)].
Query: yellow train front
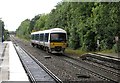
[(52, 40), (57, 42)]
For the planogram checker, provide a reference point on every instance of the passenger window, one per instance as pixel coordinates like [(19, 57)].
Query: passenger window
[(41, 37), (36, 36), (46, 37)]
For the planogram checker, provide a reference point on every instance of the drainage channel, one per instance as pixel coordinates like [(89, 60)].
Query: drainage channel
[(36, 71)]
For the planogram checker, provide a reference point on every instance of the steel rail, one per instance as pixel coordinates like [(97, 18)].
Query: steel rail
[(45, 68), (32, 79), (72, 60)]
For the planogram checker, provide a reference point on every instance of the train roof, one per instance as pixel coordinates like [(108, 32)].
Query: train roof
[(53, 30), (36, 32)]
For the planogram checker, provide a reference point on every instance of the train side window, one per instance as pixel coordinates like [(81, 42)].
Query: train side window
[(46, 37), (41, 37), (36, 36)]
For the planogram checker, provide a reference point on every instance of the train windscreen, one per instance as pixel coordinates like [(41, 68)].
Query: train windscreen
[(57, 37)]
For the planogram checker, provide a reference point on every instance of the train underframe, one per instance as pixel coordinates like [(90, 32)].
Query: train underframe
[(56, 49)]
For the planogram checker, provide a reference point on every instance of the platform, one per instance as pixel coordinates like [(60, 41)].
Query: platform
[(11, 68), (115, 55)]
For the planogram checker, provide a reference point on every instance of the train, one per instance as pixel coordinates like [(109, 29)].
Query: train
[(52, 40)]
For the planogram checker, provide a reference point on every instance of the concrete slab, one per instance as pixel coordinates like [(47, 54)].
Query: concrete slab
[(3, 68), (116, 55), (11, 69), (5, 65), (2, 46), (17, 72)]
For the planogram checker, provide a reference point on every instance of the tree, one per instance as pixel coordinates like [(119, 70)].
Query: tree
[(22, 31), (85, 23)]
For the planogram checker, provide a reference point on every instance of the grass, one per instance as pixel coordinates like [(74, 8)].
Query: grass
[(79, 52), (24, 39), (74, 52), (108, 51)]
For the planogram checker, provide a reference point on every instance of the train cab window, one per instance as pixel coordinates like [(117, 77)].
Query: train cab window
[(58, 37), (41, 37), (46, 37), (36, 36)]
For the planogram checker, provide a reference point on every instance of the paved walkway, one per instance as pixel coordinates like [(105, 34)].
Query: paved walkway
[(4, 67), (11, 68)]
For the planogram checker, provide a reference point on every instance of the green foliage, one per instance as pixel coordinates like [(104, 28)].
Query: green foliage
[(22, 30), (32, 23), (6, 35), (85, 23), (40, 23), (74, 52)]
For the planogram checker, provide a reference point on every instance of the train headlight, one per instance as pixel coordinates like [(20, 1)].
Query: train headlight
[(51, 44)]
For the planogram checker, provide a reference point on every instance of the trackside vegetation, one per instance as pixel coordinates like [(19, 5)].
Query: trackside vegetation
[(90, 26), (4, 34)]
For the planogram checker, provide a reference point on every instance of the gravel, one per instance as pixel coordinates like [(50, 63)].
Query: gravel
[(62, 69)]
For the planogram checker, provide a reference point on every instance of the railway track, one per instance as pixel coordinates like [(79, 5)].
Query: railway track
[(98, 70), (112, 63), (106, 74), (36, 71), (103, 59)]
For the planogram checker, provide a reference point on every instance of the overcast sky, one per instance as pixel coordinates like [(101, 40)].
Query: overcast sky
[(13, 12)]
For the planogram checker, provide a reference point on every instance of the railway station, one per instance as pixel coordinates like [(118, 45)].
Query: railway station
[(13, 69), (17, 66), (43, 59), (61, 41), (28, 62)]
